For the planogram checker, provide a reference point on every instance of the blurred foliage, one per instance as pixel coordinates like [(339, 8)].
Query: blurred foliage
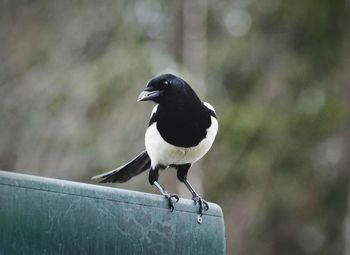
[(276, 71)]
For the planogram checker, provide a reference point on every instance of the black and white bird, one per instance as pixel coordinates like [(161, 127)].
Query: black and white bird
[(181, 131)]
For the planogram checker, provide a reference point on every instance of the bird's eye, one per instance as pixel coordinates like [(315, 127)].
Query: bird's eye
[(166, 83)]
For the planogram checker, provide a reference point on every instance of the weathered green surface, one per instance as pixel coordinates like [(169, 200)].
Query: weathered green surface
[(47, 216)]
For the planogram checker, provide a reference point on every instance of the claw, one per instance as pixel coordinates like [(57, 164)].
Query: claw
[(172, 199), (203, 205), (176, 197), (171, 205), (206, 206)]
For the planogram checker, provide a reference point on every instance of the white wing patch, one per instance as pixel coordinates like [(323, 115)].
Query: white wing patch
[(209, 106)]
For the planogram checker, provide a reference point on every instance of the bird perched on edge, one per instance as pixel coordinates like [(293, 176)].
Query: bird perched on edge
[(181, 130)]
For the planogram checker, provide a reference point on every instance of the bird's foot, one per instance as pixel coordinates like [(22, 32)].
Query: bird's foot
[(203, 205), (172, 199)]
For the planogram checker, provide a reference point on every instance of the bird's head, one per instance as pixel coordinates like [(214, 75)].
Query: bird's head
[(163, 88)]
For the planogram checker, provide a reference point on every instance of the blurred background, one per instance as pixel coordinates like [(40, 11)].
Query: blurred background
[(276, 71)]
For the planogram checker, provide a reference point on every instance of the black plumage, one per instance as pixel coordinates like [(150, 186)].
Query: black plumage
[(181, 130)]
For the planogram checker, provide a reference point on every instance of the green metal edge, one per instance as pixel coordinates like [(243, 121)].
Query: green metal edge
[(101, 192)]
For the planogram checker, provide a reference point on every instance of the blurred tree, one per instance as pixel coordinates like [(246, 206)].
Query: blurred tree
[(283, 129)]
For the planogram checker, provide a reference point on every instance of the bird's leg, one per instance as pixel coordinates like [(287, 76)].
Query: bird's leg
[(172, 198), (182, 171), (153, 179), (203, 205)]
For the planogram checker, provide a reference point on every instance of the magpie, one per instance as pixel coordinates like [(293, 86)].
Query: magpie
[(181, 131)]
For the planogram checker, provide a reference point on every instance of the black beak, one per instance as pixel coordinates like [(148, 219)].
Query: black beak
[(149, 95)]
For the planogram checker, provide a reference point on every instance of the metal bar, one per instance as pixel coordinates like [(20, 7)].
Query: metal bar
[(47, 216)]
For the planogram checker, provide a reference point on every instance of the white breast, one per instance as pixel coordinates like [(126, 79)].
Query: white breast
[(163, 153)]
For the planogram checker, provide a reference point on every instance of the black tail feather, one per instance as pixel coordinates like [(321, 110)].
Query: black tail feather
[(140, 163)]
